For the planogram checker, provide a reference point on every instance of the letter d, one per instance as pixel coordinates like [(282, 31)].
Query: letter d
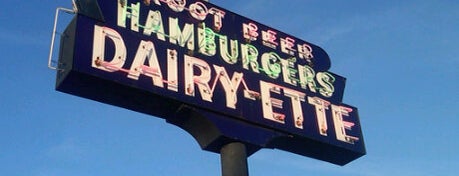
[(98, 56)]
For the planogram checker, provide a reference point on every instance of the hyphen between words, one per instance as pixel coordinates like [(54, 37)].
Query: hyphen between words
[(207, 42)]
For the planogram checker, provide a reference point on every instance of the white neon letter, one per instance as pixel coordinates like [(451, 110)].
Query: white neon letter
[(268, 102), (270, 65), (198, 11), (287, 45), (201, 80), (326, 80), (296, 99), (145, 52), (307, 75), (249, 57), (341, 125), (288, 71), (123, 14), (229, 85), (98, 54), (321, 106), (269, 38), (250, 31), (182, 38), (172, 69), (230, 58), (176, 5), (218, 17), (206, 42), (305, 52), (154, 24)]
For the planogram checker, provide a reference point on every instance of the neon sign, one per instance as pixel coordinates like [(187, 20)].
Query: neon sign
[(197, 54)]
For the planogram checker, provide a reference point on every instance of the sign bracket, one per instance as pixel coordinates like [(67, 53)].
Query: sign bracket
[(53, 36)]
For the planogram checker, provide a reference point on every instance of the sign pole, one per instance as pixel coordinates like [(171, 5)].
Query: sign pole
[(234, 159)]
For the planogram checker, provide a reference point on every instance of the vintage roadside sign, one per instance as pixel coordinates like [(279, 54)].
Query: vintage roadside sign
[(220, 76)]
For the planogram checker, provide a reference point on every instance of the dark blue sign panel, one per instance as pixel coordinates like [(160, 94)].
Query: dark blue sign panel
[(158, 56)]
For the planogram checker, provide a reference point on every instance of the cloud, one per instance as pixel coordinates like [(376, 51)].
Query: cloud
[(68, 150)]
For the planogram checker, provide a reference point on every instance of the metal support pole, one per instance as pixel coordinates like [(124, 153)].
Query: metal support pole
[(234, 160)]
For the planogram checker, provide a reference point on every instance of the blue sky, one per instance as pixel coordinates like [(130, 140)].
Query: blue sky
[(400, 58)]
